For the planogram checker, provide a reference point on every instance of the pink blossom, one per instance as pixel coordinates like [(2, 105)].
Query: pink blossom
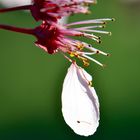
[(55, 9), (53, 37), (52, 10)]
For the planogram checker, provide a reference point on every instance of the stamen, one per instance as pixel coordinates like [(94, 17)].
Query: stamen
[(89, 27), (89, 53), (97, 21), (96, 31), (96, 50), (79, 45), (106, 19), (86, 22), (93, 60), (85, 61), (91, 36)]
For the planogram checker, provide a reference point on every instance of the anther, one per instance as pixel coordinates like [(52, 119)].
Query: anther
[(113, 19), (99, 37), (89, 45), (109, 33), (104, 65), (99, 41), (108, 54), (86, 63), (90, 83), (97, 52), (103, 26), (78, 121), (88, 12), (80, 46)]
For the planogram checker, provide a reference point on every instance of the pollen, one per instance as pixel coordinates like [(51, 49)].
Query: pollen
[(86, 63), (88, 12), (90, 83), (80, 46), (72, 54)]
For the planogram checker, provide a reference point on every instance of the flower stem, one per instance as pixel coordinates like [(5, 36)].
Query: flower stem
[(16, 29), (25, 7)]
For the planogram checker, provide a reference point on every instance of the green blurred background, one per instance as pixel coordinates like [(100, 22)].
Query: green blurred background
[(31, 80)]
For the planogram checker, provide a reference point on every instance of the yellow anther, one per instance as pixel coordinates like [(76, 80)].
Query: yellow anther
[(88, 12), (75, 54), (72, 54), (82, 58), (86, 63), (85, 4), (80, 46), (90, 83)]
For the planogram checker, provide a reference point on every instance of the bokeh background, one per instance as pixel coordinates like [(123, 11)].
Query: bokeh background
[(31, 80)]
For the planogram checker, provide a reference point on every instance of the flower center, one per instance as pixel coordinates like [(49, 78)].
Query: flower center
[(47, 37)]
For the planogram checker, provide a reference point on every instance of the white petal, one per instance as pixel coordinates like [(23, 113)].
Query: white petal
[(11, 3), (80, 105)]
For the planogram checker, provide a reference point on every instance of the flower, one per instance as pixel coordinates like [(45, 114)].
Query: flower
[(55, 9), (54, 38), (52, 10), (80, 105)]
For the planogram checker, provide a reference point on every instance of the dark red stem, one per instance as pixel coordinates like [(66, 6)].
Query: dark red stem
[(16, 29), (25, 7)]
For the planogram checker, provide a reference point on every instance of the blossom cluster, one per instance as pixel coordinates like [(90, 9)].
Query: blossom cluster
[(80, 105)]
